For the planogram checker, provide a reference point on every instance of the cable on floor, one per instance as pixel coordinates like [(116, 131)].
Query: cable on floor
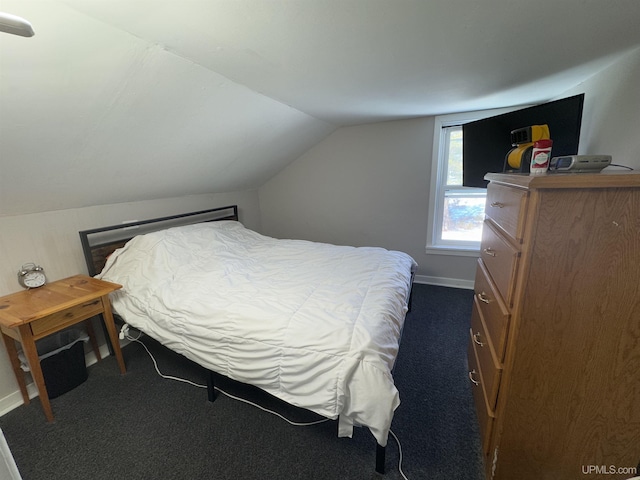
[(395, 437), (124, 333)]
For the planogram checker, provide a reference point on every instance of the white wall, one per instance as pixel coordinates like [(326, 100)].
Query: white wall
[(51, 240), (369, 184), (363, 185), (611, 117)]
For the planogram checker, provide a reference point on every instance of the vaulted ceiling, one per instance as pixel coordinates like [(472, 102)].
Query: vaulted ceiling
[(125, 100)]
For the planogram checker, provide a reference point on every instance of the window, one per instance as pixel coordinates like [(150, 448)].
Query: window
[(456, 213)]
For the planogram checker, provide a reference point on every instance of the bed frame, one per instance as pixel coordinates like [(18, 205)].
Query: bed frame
[(99, 243)]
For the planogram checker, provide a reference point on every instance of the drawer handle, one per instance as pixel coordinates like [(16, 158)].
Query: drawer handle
[(490, 251), (473, 380), (483, 298), (497, 205), (475, 339)]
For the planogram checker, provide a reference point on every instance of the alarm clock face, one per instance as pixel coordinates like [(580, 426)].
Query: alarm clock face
[(31, 276), (34, 279)]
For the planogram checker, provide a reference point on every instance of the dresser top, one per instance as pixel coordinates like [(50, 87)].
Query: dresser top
[(604, 179)]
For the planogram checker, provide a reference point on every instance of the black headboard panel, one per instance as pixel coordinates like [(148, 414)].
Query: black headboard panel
[(99, 243)]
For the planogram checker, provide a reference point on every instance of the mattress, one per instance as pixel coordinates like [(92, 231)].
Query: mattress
[(314, 324)]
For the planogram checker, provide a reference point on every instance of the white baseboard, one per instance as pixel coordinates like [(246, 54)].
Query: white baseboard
[(444, 282), (14, 400)]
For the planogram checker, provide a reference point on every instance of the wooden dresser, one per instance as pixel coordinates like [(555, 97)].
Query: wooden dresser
[(554, 350)]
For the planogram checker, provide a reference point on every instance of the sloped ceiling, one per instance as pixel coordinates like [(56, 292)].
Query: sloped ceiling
[(125, 100)]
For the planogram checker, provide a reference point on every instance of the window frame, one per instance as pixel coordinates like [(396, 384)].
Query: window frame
[(437, 190)]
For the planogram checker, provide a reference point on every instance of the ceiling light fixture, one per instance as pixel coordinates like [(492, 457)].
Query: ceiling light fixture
[(15, 25)]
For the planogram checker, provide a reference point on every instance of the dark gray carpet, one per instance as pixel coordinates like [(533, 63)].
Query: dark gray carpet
[(140, 426)]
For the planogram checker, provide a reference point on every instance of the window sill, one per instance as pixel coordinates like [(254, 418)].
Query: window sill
[(452, 250)]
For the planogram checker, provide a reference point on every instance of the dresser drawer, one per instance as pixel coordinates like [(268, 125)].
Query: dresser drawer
[(485, 414), (494, 312), (501, 260), (506, 207), (489, 366)]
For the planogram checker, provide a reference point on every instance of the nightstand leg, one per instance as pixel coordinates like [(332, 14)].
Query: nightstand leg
[(92, 337), (30, 351), (113, 334), (10, 345)]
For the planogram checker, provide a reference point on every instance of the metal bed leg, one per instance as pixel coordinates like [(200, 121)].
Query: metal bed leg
[(380, 450), (211, 390), (410, 301), (380, 458)]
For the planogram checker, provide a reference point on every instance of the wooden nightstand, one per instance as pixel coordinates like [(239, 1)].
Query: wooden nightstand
[(30, 315)]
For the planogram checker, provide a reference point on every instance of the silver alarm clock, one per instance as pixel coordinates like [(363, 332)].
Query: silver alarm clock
[(31, 276)]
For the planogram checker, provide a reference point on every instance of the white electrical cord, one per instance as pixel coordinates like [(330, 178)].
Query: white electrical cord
[(400, 454), (155, 364), (124, 333)]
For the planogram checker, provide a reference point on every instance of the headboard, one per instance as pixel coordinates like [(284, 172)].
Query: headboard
[(99, 243)]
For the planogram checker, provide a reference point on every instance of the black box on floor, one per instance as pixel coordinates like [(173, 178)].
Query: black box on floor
[(62, 361)]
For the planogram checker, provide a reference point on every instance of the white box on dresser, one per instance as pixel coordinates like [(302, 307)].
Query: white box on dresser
[(554, 347)]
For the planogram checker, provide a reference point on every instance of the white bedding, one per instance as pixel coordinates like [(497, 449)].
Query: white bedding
[(314, 324)]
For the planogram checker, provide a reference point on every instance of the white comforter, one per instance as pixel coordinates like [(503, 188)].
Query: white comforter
[(314, 324)]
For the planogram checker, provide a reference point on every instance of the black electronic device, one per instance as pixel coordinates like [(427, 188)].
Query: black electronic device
[(487, 141), (518, 159)]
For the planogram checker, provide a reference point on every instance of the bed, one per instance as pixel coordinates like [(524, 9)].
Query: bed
[(313, 324)]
